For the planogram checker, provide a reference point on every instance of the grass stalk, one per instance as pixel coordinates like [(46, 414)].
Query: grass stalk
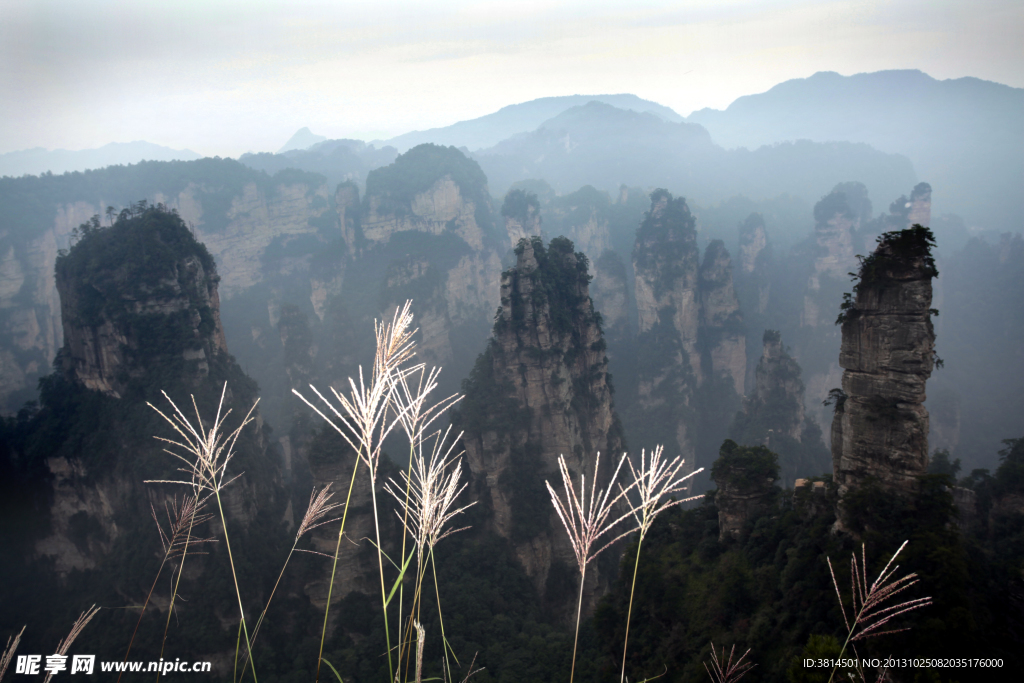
[(579, 612), (629, 611), (172, 544), (440, 617), (383, 590), (334, 568), (238, 592)]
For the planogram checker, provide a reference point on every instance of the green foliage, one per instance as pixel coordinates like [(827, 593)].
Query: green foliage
[(831, 204), (138, 257), (667, 239), (941, 464), (897, 250), (1010, 473), (417, 170), (520, 205), (745, 466)]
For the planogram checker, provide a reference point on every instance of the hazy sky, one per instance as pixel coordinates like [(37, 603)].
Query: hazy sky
[(226, 77)]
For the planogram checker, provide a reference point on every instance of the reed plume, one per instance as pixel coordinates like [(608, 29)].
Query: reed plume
[(176, 541), (655, 482), (76, 630), (9, 652), (362, 419), (586, 521), (868, 611), (730, 672), (207, 454)]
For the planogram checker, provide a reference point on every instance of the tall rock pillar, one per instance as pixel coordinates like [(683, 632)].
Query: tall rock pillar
[(880, 427), (538, 392)]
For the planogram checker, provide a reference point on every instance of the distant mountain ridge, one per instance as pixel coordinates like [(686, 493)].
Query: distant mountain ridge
[(304, 138), (489, 130), (604, 146), (39, 160), (963, 134)]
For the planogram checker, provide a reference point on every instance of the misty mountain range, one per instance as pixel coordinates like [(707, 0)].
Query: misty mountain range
[(894, 127), (37, 160)]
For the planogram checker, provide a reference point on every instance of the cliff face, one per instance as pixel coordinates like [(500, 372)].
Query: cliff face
[(141, 314), (880, 428), (236, 212), (773, 415), (666, 261), (778, 384), (691, 334), (609, 291), (754, 259), (746, 486), (540, 391), (835, 228), (521, 211), (116, 317), (720, 318), (429, 216), (584, 217)]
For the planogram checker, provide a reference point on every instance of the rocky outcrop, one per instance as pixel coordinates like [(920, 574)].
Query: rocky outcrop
[(540, 391), (746, 486), (521, 211), (331, 461), (346, 204), (417, 279), (835, 232), (920, 209), (141, 314), (235, 211), (839, 220), (666, 261), (609, 291), (140, 292), (724, 340), (439, 209), (880, 427), (429, 215), (583, 216), (691, 334), (773, 415), (752, 276), (778, 390)]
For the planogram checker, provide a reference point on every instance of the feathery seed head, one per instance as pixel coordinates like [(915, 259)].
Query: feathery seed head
[(868, 613), (319, 506), (362, 416), (730, 672), (208, 452), (181, 521), (586, 520), (432, 491), (76, 630), (655, 481)]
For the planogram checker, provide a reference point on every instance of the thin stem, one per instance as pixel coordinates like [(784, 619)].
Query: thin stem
[(144, 606), (334, 566), (405, 527), (437, 592), (238, 593), (383, 591), (174, 593), (259, 622), (629, 612), (579, 611)]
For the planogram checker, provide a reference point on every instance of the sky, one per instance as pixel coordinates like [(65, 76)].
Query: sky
[(223, 77)]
